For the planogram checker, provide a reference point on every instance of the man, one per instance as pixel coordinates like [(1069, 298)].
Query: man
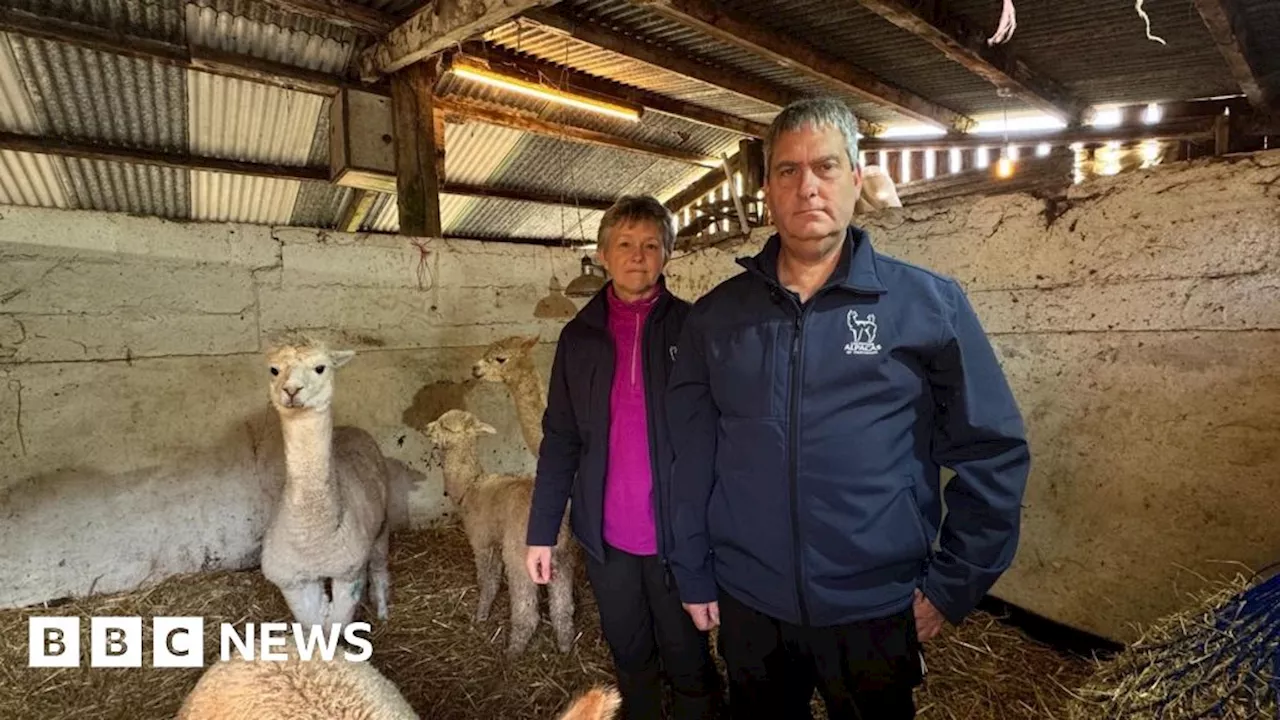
[(813, 400), (605, 443)]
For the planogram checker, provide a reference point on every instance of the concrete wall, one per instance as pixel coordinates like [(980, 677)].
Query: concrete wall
[(136, 437), (1139, 323)]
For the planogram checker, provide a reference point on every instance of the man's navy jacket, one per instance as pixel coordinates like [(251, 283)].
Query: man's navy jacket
[(574, 457), (809, 439)]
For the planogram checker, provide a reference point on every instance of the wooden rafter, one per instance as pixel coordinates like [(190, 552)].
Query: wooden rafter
[(1228, 31), (356, 211), (721, 23), (568, 79), (503, 117), (964, 44), (339, 12), (437, 27), (65, 148)]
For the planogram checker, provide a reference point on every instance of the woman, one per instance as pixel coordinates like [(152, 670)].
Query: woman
[(605, 442)]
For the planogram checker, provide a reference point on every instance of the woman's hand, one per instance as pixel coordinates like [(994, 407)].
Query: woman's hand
[(538, 562)]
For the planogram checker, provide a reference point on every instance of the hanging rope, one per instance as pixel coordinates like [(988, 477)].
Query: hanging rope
[(1008, 23), (1137, 5)]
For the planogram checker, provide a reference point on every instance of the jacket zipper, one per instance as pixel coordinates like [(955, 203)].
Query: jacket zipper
[(793, 444), (656, 486), (635, 350)]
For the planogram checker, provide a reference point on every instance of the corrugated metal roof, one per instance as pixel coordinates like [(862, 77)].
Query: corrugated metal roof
[(319, 204), (849, 32), (158, 19), (27, 179), (124, 187), (219, 197), (251, 28), (1101, 52), (249, 121), (474, 151), (111, 99), (637, 20), (384, 216), (554, 47), (395, 7), (1262, 17)]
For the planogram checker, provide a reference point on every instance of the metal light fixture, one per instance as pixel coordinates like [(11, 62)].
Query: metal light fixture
[(555, 305), (474, 70), (589, 282)]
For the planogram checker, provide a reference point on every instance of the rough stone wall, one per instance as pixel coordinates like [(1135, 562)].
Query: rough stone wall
[(136, 436), (1139, 323)]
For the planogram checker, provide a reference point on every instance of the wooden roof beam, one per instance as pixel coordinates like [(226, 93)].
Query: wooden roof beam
[(791, 52), (339, 12), (532, 69), (435, 28), (1228, 31), (964, 44)]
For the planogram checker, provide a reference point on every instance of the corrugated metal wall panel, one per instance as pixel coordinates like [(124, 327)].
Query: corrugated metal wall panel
[(384, 216), (106, 98), (248, 121), (251, 28), (220, 197), (123, 187), (158, 19)]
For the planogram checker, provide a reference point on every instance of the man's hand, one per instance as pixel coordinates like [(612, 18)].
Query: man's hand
[(705, 615), (928, 619), (538, 562)]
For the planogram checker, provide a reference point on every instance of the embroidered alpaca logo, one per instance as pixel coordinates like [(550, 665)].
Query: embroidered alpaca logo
[(671, 350), (864, 335)]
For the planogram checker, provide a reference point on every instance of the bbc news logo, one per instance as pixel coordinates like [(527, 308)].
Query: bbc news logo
[(178, 642)]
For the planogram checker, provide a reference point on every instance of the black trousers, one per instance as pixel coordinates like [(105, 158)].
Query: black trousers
[(649, 632), (864, 670)]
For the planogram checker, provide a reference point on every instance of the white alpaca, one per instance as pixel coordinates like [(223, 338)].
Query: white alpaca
[(510, 361), (314, 689), (331, 524), (495, 515)]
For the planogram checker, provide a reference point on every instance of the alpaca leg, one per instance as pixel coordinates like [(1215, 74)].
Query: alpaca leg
[(307, 602), (379, 573), (524, 608), (347, 592), (560, 597), (488, 577)]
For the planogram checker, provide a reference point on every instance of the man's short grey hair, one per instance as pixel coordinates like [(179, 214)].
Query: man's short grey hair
[(818, 112), (634, 208)]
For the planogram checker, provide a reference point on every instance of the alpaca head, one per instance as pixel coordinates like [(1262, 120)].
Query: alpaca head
[(302, 375), (455, 426), (503, 357)]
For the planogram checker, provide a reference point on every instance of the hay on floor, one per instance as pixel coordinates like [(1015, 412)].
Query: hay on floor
[(448, 667), (1220, 658)]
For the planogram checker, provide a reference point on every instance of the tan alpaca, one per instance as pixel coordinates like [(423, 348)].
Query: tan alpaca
[(331, 522), (314, 689), (510, 361), (495, 514)]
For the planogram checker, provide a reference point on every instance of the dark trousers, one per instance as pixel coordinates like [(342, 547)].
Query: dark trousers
[(649, 632), (863, 670)]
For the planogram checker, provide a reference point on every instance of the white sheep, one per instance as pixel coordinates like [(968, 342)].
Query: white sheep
[(316, 689), (495, 515), (331, 524)]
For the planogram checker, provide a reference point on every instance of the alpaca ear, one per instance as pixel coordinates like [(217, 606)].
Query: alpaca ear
[(341, 357), (530, 341), (485, 428)]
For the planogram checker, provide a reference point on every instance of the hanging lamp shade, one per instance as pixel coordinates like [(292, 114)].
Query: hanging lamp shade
[(555, 304), (589, 282)]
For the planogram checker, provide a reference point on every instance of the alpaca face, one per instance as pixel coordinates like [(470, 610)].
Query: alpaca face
[(456, 425), (302, 376), (501, 357)]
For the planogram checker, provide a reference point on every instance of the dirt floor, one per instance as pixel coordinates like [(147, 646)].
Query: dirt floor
[(450, 668)]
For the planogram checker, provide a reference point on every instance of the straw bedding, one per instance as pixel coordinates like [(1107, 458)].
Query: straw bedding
[(447, 667)]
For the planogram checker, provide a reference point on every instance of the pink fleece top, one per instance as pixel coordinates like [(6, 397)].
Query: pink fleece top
[(628, 484)]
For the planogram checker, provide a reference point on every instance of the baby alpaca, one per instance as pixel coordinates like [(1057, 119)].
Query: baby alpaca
[(331, 522), (495, 514), (510, 361), (314, 689)]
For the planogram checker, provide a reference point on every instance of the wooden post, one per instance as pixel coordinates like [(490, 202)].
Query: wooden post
[(1221, 135), (417, 177)]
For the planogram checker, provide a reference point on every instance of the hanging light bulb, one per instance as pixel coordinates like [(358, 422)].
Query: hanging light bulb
[(589, 282), (1004, 167)]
